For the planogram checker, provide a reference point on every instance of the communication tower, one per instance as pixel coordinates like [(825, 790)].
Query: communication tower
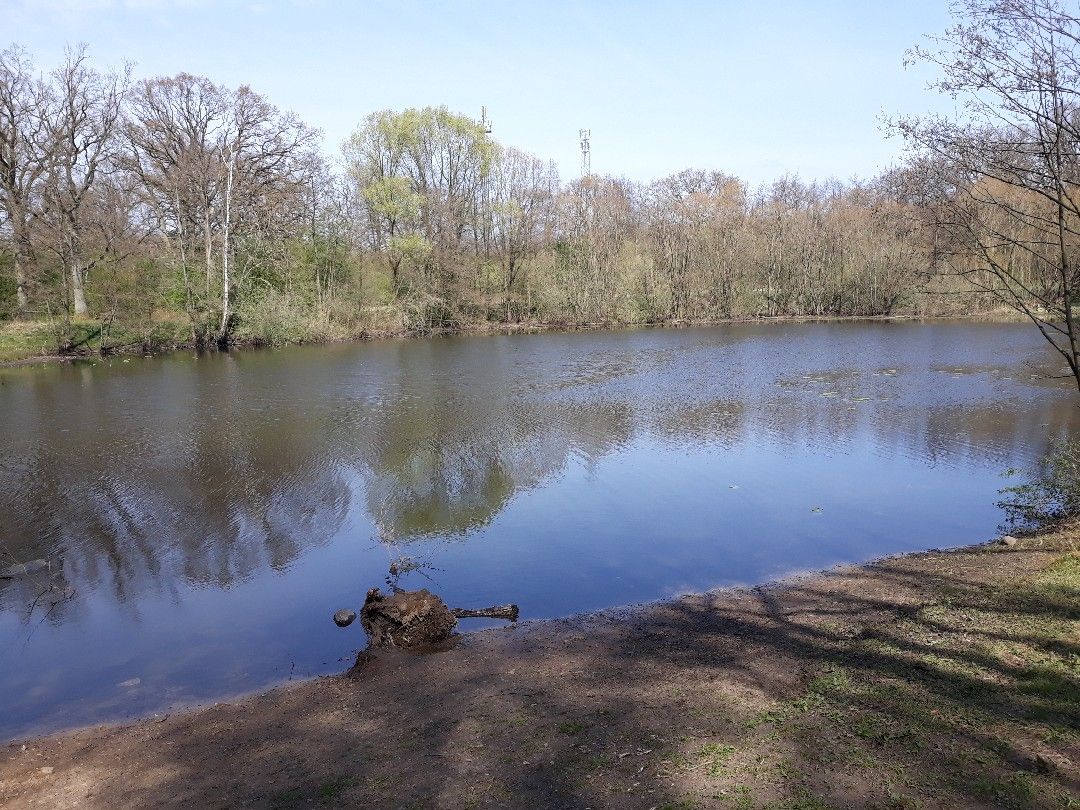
[(586, 152), (484, 122)]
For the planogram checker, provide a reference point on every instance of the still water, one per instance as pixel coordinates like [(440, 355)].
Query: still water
[(205, 517)]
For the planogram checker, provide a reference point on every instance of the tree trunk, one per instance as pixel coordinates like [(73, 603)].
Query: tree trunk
[(20, 282), (208, 246), (223, 339), (78, 293)]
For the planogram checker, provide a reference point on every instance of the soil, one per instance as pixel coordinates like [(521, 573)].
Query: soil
[(943, 679)]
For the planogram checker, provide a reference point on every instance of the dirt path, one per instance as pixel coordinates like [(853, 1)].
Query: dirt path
[(933, 680)]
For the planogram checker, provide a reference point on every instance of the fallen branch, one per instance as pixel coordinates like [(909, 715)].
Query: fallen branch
[(508, 612)]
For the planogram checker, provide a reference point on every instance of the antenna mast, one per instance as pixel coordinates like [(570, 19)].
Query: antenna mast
[(586, 152), (485, 124)]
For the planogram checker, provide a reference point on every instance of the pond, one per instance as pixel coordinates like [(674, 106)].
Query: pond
[(204, 517)]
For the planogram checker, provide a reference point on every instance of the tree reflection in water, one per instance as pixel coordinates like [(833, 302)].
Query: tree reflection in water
[(225, 501)]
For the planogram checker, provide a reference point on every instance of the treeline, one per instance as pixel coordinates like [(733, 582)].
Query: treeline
[(173, 205)]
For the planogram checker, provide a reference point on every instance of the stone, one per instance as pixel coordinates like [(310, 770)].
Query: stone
[(345, 617), (1008, 540), (406, 619)]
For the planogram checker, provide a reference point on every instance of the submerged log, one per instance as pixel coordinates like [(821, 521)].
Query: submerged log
[(406, 619), (508, 612)]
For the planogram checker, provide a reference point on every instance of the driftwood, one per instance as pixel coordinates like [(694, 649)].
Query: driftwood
[(406, 619), (508, 612), (414, 618)]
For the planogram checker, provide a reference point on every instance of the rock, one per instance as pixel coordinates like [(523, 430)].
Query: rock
[(345, 617), (48, 769), (406, 619), (1008, 540)]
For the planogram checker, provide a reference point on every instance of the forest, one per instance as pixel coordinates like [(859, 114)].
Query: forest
[(150, 213)]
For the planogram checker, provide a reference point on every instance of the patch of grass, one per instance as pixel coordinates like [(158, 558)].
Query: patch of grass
[(33, 338), (880, 728), (803, 800), (741, 797), (335, 787), (899, 801), (1014, 790), (1063, 573), (715, 756), (571, 727), (833, 679)]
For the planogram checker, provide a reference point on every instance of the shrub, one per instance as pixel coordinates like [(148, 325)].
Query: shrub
[(1051, 495)]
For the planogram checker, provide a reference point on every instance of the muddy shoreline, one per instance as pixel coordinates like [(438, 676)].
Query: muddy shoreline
[(945, 678)]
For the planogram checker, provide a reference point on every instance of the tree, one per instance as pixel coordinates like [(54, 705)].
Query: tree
[(84, 124), (522, 209), (222, 166), (423, 173), (174, 133), (26, 149), (1009, 165)]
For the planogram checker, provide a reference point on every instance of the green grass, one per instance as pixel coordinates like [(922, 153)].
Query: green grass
[(23, 339), (714, 756)]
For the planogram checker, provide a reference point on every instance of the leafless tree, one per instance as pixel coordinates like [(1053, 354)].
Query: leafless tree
[(522, 209), (1009, 165), (85, 123), (27, 147)]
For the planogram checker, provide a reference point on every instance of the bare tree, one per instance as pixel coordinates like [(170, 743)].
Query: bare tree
[(522, 209), (84, 125), (27, 146), (174, 137), (1009, 167)]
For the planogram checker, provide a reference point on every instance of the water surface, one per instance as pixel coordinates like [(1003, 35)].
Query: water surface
[(207, 516)]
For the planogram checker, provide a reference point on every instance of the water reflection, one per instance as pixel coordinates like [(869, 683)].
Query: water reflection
[(209, 514)]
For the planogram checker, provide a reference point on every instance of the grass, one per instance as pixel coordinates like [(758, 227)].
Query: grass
[(714, 755), (974, 695), (24, 339)]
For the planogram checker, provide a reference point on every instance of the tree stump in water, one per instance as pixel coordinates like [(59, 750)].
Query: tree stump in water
[(406, 619)]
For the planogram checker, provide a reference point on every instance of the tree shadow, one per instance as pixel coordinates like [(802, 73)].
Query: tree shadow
[(932, 680)]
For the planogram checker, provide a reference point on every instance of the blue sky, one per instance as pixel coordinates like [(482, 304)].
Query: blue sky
[(754, 89)]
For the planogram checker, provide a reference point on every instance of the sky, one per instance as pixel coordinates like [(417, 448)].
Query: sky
[(757, 90)]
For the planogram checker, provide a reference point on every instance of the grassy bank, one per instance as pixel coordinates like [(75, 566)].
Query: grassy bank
[(43, 339), (945, 679)]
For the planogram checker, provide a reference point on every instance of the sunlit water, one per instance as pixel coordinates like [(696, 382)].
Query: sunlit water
[(206, 516)]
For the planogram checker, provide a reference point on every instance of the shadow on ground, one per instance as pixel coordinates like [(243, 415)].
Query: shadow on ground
[(935, 680)]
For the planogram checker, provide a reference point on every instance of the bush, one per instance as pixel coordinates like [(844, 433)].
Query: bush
[(1052, 494)]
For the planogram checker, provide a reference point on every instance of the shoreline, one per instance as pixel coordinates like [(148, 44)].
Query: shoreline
[(631, 611), (634, 706), (498, 328)]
